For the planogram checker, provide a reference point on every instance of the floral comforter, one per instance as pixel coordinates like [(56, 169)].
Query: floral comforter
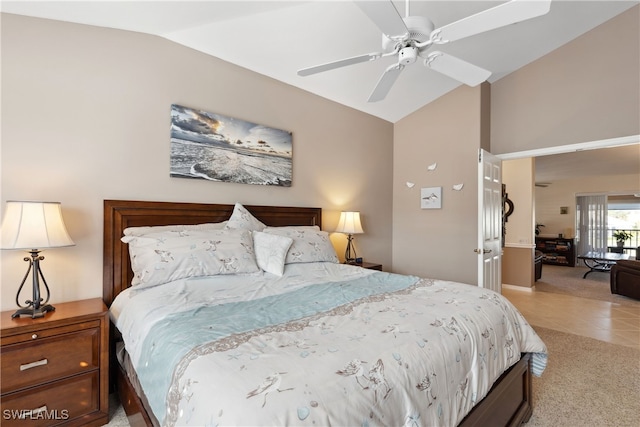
[(350, 347)]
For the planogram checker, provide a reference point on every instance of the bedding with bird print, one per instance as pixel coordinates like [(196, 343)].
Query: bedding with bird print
[(325, 344)]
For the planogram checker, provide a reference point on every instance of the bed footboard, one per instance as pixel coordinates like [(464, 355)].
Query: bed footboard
[(507, 404), (133, 405), (509, 400)]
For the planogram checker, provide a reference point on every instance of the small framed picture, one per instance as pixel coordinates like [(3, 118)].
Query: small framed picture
[(431, 198), (564, 210)]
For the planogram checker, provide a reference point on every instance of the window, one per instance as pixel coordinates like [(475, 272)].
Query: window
[(591, 221), (623, 213)]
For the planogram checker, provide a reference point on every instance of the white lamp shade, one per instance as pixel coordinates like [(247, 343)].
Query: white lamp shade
[(34, 225), (349, 223)]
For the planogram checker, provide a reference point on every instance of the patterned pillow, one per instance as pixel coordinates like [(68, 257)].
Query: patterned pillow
[(271, 251), (309, 245), (293, 228), (141, 231), (159, 258), (242, 218)]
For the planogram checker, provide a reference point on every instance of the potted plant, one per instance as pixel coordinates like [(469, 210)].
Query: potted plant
[(621, 236)]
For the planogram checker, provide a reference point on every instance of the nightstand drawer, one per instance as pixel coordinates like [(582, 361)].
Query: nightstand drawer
[(61, 401), (41, 360)]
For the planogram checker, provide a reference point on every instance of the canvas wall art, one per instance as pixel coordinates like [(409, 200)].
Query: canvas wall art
[(431, 198), (215, 147)]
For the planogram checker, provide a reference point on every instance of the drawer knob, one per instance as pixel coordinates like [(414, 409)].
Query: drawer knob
[(33, 364), (34, 336), (32, 413)]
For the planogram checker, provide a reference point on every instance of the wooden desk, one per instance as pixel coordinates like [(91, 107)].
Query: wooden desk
[(601, 261)]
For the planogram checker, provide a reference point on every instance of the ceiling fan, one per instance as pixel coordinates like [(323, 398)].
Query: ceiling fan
[(410, 38)]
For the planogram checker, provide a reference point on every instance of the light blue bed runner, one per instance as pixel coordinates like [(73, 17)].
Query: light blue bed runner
[(170, 339)]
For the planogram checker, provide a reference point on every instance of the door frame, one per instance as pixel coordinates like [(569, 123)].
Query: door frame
[(560, 149)]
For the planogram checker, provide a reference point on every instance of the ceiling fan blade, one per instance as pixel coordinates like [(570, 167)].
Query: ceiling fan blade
[(385, 15), (385, 83), (496, 17), (337, 64), (456, 68)]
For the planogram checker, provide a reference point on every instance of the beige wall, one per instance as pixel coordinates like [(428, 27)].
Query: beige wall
[(85, 117), (563, 193), (438, 243), (586, 90), (517, 261), (517, 267), (518, 176)]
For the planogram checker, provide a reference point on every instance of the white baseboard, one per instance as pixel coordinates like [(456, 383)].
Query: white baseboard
[(519, 288)]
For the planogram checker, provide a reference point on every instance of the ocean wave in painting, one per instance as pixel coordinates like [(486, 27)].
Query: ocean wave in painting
[(196, 160)]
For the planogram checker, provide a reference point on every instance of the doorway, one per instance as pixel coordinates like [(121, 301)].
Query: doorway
[(553, 201)]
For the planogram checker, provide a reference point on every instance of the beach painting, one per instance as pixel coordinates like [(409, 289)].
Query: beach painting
[(219, 148)]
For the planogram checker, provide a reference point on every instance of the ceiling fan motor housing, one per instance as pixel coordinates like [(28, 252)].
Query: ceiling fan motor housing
[(420, 28)]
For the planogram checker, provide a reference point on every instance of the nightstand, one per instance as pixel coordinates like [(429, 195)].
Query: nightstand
[(55, 369), (370, 265)]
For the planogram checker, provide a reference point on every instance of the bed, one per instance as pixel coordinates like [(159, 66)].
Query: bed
[(318, 343)]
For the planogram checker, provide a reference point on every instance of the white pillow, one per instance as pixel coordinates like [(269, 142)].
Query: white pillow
[(293, 228), (271, 251), (159, 258), (141, 231), (242, 218), (309, 245)]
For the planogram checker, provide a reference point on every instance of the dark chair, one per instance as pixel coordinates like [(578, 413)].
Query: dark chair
[(625, 278), (537, 264)]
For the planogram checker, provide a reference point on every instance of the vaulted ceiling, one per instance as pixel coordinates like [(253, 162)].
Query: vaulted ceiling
[(277, 38)]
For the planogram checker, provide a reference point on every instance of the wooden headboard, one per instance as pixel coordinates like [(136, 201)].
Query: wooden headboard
[(120, 214)]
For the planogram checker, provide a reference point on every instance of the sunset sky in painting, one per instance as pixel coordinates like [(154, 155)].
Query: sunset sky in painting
[(201, 125)]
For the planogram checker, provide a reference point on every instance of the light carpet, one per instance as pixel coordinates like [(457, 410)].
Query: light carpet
[(587, 383), (117, 416), (568, 280)]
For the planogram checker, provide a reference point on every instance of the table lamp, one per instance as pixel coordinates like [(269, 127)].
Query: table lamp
[(349, 224), (34, 226)]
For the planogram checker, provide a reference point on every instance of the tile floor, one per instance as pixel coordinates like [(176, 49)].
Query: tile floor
[(601, 320)]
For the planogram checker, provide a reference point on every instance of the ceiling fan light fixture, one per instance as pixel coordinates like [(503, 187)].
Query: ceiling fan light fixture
[(408, 55)]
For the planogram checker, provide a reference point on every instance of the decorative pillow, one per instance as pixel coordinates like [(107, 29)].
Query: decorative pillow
[(242, 218), (309, 245), (159, 258), (141, 231), (293, 228), (271, 251)]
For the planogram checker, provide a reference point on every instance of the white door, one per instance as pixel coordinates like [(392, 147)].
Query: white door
[(490, 208)]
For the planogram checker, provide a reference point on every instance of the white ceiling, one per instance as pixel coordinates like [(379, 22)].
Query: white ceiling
[(276, 38), (601, 162)]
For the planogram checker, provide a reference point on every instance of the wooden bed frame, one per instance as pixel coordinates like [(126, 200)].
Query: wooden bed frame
[(507, 404)]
